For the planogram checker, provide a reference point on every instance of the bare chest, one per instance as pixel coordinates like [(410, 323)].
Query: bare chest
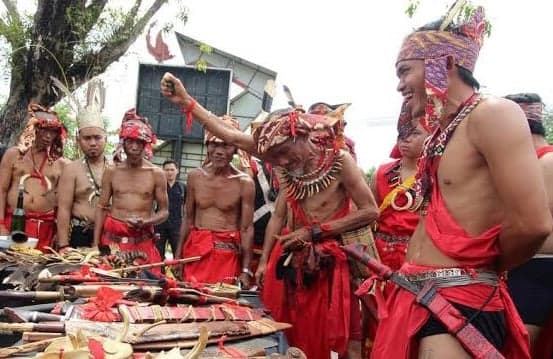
[(138, 182), (88, 180), (26, 165), (223, 193), (323, 205), (461, 164)]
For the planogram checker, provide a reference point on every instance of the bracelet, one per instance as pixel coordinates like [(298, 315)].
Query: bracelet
[(248, 272), (62, 247), (188, 113)]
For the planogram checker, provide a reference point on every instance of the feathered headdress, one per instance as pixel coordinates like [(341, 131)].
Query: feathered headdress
[(89, 115)]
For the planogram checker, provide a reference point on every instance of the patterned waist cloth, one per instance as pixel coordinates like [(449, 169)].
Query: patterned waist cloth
[(453, 277), (391, 238)]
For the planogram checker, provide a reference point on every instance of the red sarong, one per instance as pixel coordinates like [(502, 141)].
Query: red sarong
[(220, 252), (40, 225), (403, 317), (321, 313), (117, 228), (394, 227)]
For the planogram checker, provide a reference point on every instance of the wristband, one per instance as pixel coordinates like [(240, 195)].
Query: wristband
[(188, 113), (316, 233)]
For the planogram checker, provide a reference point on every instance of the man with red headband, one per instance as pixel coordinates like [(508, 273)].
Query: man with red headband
[(36, 164), (531, 284), (318, 182), (481, 198), (219, 217), (125, 216)]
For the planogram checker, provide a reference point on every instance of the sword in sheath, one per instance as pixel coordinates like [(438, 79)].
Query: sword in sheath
[(440, 308)]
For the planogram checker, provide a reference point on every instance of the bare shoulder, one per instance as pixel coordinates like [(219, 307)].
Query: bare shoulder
[(157, 171), (110, 170), (11, 154), (194, 175), (71, 168), (497, 120), (349, 166), (62, 161), (496, 111), (246, 180)]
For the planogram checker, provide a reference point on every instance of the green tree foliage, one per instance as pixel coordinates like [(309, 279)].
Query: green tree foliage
[(369, 175), (73, 41)]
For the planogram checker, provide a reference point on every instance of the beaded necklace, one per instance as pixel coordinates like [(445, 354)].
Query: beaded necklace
[(94, 186), (306, 185)]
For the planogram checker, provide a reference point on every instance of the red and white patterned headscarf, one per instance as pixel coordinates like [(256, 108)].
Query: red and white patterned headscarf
[(286, 124), (135, 127), (41, 117)]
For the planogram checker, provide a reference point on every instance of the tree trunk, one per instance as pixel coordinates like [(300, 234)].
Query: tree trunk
[(51, 53)]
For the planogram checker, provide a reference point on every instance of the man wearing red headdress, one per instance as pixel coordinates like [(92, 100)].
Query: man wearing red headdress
[(125, 216), (219, 217), (481, 198), (531, 284), (35, 164), (306, 274)]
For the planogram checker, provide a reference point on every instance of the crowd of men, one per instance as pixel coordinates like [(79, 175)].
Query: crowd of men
[(463, 211)]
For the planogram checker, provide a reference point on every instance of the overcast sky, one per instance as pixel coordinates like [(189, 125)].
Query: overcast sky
[(344, 51)]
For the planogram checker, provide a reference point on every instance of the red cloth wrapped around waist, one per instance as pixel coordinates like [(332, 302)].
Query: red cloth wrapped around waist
[(220, 255), (321, 313), (403, 317), (118, 228), (40, 225)]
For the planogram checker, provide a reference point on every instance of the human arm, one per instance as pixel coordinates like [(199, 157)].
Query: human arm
[(516, 176), (247, 197), (161, 198), (5, 181), (274, 227), (103, 205), (189, 211), (66, 197), (356, 188), (180, 97)]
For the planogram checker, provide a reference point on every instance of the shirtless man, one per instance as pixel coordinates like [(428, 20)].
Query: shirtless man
[(481, 197), (531, 284), (35, 163), (219, 218), (81, 182), (128, 222), (318, 183)]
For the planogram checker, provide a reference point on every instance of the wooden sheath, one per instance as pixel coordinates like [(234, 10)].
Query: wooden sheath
[(29, 337), (176, 332)]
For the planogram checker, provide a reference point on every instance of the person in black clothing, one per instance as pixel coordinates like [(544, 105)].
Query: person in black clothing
[(169, 231)]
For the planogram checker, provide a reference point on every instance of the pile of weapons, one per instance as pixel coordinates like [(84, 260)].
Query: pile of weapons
[(62, 308)]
